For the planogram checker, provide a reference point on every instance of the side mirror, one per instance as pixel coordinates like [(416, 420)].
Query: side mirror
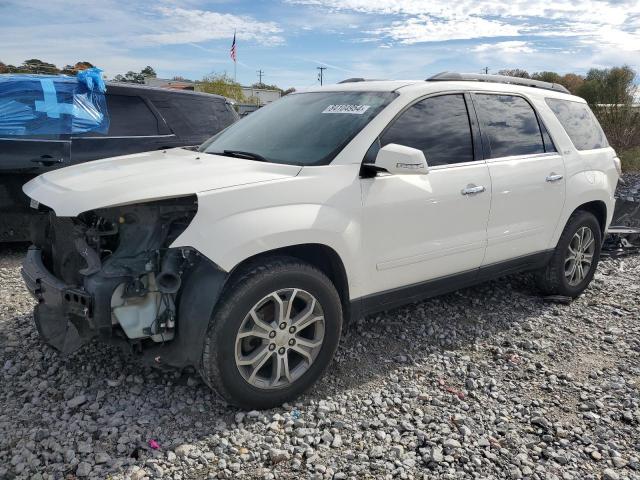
[(401, 160)]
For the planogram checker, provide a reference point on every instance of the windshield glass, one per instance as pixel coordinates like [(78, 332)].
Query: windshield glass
[(301, 129)]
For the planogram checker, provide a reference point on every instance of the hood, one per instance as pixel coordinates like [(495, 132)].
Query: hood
[(146, 177)]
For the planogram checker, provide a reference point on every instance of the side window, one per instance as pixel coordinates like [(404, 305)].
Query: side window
[(439, 126), (130, 116), (546, 138), (510, 124), (579, 123)]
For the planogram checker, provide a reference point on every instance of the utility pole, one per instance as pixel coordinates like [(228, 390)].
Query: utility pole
[(486, 70), (260, 74), (321, 74)]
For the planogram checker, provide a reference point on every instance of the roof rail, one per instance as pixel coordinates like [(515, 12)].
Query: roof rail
[(479, 77), (357, 79)]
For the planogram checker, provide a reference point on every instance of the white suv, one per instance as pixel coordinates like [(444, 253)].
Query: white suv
[(245, 258)]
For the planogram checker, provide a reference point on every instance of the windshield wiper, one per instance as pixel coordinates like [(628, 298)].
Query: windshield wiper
[(241, 154)]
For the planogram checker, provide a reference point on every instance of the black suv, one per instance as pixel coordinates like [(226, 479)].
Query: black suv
[(141, 119)]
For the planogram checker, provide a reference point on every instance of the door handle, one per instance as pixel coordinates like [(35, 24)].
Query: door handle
[(554, 177), (472, 189), (47, 160)]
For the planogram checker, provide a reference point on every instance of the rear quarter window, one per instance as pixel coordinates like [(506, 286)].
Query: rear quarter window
[(579, 123), (130, 116)]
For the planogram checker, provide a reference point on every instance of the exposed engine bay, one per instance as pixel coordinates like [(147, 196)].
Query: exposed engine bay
[(110, 273)]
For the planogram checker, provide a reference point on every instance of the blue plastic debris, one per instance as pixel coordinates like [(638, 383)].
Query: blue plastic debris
[(53, 104)]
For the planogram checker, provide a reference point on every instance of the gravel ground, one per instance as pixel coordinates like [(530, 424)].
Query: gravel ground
[(488, 382)]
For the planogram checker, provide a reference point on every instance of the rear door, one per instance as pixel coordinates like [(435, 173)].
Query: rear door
[(422, 227), (527, 177), (135, 126), (35, 155)]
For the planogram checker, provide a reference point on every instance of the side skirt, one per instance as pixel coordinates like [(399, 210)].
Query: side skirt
[(397, 297)]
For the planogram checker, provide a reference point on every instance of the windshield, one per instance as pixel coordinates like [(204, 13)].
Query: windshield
[(300, 129)]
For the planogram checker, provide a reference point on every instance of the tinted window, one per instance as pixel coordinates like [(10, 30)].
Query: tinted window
[(302, 128), (130, 116), (580, 124), (439, 126), (510, 124), (546, 138)]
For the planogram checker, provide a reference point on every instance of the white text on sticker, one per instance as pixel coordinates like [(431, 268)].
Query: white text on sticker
[(353, 109)]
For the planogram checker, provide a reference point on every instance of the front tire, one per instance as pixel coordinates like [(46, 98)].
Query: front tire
[(273, 333), (575, 258)]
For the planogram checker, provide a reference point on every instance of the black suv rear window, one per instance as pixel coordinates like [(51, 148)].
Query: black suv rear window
[(579, 123), (130, 116)]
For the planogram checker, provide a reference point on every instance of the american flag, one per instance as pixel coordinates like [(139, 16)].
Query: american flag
[(233, 52)]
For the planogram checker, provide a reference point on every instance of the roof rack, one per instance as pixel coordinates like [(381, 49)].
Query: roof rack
[(478, 77), (357, 79)]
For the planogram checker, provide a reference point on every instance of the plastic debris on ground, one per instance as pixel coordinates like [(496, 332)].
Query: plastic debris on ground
[(623, 236), (32, 105)]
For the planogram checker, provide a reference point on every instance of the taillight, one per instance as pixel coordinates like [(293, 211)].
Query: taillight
[(616, 162)]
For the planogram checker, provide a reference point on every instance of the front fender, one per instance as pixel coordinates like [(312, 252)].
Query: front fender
[(230, 240)]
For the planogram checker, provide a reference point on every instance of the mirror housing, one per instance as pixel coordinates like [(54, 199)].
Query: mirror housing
[(401, 160)]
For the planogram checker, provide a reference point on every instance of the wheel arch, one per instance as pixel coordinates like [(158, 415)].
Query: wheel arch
[(599, 209), (319, 255)]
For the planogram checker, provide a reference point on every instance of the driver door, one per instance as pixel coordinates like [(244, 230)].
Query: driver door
[(418, 228)]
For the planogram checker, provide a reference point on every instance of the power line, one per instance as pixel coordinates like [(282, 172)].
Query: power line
[(321, 74)]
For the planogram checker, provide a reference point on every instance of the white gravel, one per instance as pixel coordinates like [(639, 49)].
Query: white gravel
[(488, 382)]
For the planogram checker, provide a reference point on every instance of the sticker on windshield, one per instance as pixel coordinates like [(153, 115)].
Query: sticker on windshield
[(353, 109)]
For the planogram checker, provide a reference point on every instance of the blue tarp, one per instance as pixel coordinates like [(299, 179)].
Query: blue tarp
[(53, 104)]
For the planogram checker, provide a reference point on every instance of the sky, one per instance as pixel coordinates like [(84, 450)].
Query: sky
[(289, 39)]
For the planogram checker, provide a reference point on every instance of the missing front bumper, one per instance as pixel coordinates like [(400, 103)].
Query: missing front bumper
[(64, 314)]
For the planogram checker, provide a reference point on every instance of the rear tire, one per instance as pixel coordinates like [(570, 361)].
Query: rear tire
[(253, 355), (575, 259)]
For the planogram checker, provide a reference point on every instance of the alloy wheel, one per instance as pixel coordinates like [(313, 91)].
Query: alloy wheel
[(579, 259), (280, 338)]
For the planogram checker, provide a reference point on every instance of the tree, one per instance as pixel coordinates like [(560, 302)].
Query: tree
[(551, 77), (77, 67), (3, 68), (288, 91), (266, 86), (34, 65), (572, 82), (133, 77), (148, 72), (222, 84), (515, 72), (611, 94)]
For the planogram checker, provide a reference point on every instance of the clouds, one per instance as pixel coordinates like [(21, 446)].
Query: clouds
[(181, 25), (512, 47), (609, 23), (422, 28), (289, 38)]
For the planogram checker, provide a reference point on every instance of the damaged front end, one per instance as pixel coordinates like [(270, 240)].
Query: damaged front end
[(110, 273)]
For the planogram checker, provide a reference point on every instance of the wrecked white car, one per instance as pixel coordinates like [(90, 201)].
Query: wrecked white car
[(245, 258)]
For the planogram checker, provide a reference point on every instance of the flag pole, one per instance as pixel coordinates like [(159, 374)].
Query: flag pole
[(234, 59)]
